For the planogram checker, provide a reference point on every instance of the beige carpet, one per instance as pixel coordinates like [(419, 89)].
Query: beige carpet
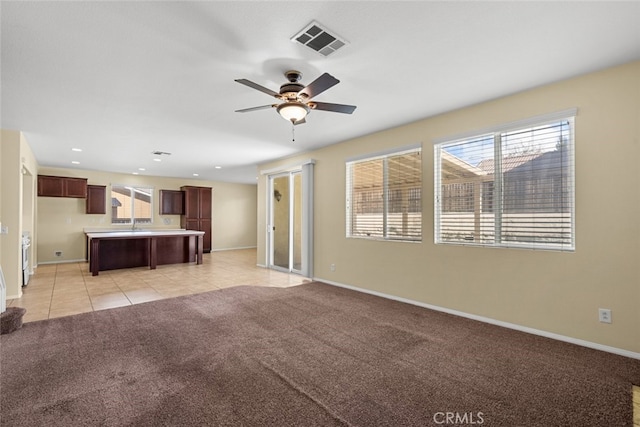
[(302, 356)]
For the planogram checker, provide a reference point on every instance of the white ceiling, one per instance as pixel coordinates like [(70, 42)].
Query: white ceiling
[(122, 79)]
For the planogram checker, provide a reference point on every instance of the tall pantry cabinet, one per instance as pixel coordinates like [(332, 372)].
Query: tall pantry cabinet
[(197, 212)]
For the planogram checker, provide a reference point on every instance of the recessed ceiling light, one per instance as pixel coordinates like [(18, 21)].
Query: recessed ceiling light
[(218, 167), (141, 169), (135, 173), (195, 174), (75, 162), (76, 149), (157, 160)]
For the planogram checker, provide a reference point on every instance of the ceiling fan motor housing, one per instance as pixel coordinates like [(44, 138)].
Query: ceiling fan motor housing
[(290, 89)]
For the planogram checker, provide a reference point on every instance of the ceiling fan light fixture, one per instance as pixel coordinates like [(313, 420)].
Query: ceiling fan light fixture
[(293, 111)]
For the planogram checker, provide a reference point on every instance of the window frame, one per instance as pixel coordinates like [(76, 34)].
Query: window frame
[(386, 193), (131, 220), (497, 134)]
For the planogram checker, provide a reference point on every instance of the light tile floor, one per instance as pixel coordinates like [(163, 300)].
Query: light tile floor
[(57, 290)]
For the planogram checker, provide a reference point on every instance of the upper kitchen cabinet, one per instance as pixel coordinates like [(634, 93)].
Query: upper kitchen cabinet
[(60, 186), (96, 199), (171, 202), (197, 212)]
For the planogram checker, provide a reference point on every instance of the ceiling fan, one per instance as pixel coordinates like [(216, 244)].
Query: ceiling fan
[(297, 98)]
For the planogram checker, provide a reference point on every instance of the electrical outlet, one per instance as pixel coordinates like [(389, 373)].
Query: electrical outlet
[(58, 253), (332, 267), (604, 314)]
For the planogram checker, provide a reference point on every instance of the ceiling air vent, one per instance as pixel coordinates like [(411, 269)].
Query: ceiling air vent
[(318, 38)]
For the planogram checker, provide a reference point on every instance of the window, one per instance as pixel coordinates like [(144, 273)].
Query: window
[(129, 204), (511, 188), (384, 196)]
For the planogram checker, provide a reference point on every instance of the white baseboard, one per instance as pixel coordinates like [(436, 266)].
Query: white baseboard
[(583, 343), (66, 261), (233, 249)]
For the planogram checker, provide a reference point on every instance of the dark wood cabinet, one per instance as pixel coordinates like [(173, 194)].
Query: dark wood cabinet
[(197, 212), (75, 187), (96, 199), (171, 202), (51, 186), (61, 186), (115, 250)]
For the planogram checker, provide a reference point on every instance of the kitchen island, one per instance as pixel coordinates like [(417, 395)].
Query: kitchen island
[(110, 250)]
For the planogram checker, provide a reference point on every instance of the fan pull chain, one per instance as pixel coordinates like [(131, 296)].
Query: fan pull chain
[(293, 133)]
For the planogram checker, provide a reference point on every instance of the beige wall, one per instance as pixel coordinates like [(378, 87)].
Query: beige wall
[(559, 293), (18, 168), (61, 220)]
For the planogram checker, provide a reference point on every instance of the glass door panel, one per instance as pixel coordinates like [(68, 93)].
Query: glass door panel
[(289, 224), (281, 218), (297, 222)]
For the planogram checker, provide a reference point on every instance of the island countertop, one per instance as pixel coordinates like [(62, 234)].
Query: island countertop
[(109, 250), (132, 234)]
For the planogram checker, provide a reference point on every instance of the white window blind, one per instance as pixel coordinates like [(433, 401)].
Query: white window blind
[(384, 196), (510, 188)]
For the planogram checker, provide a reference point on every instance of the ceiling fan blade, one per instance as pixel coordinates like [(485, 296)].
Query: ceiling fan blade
[(262, 107), (336, 108), (319, 85), (258, 87)]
